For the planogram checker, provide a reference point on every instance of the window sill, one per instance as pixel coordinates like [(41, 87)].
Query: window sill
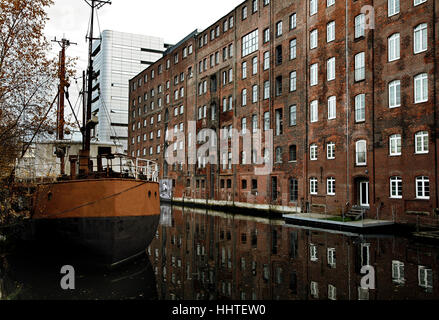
[(395, 198), (421, 153)]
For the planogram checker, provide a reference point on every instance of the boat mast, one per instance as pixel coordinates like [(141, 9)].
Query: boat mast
[(94, 4), (60, 151)]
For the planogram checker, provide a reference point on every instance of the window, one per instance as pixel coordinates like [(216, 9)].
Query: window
[(293, 80), (279, 29), (360, 109), (313, 39), (254, 123), (255, 65), (313, 7), (331, 257), (417, 2), (293, 21), (330, 69), (360, 153), (313, 250), (420, 38), (359, 25), (294, 190), (314, 117), (230, 22), (396, 187), (332, 292), (250, 43), (395, 145), (392, 7), (278, 86), (292, 153), (398, 271), (332, 107), (314, 289), (266, 60), (278, 155), (421, 142), (279, 122), (330, 3), (314, 74), (244, 97), (394, 94), (279, 54), (393, 47), (330, 186), (330, 151), (244, 125), (421, 88), (425, 278), (266, 89), (293, 115), (230, 103), (244, 70), (359, 67), (266, 35), (313, 152), (244, 12), (330, 31), (293, 49), (255, 94), (266, 121), (422, 188)]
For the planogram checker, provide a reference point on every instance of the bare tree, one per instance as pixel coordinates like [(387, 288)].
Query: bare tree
[(27, 77)]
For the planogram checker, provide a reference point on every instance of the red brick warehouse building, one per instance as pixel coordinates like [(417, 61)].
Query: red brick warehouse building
[(349, 89)]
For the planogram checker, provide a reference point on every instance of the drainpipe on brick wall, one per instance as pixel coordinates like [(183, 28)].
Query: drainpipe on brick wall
[(270, 100), (372, 31), (196, 47), (347, 99), (235, 125), (305, 149), (435, 57)]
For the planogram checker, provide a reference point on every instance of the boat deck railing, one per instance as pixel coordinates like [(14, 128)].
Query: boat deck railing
[(113, 165)]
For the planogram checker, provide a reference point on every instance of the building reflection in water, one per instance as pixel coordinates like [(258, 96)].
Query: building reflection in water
[(204, 254)]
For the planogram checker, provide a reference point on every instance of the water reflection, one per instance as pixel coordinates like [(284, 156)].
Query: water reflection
[(212, 255), (201, 254)]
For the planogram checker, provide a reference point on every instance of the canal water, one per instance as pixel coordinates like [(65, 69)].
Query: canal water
[(198, 254)]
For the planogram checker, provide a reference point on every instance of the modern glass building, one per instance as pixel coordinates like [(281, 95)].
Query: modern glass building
[(118, 57)]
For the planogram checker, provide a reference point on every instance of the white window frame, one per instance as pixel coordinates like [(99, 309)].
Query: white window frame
[(395, 94), (395, 187), (421, 142), (313, 152), (360, 66), (420, 38), (332, 107), (393, 45), (420, 84), (330, 31), (293, 49), (360, 108), (360, 25), (313, 251), (313, 39), (330, 151), (330, 186), (398, 272), (359, 146), (393, 7), (314, 74), (313, 186), (422, 184), (395, 145), (314, 111), (313, 7), (293, 81), (424, 274), (330, 69)]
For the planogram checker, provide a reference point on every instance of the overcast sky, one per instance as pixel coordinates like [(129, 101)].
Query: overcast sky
[(171, 20)]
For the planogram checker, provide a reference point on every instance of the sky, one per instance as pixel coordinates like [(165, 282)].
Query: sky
[(171, 20)]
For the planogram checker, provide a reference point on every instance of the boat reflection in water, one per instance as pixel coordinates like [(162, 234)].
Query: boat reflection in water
[(211, 255)]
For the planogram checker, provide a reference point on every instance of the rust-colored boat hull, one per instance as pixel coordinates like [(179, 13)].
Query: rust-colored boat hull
[(108, 220)]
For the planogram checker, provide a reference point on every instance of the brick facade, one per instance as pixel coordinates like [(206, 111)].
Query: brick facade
[(217, 50)]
